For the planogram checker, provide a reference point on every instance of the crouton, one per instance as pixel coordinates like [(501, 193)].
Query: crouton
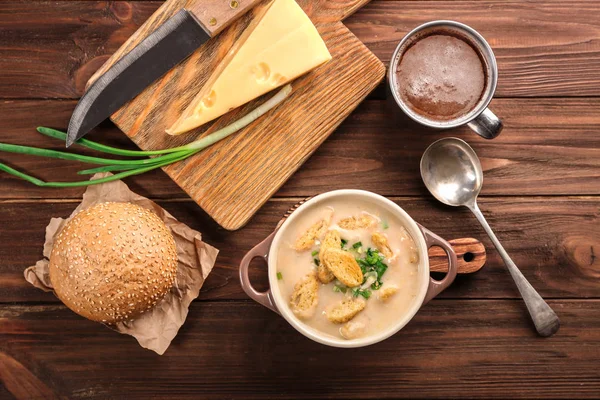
[(303, 301), (346, 310), (316, 231), (382, 244), (332, 241), (352, 329), (361, 222), (387, 291), (324, 274), (343, 265)]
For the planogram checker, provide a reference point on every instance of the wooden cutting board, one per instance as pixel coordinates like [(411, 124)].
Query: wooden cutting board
[(234, 178)]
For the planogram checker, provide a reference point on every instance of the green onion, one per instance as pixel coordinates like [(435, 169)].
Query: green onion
[(178, 156), (385, 225), (356, 245), (279, 276), (344, 242), (53, 133), (131, 167), (380, 268), (372, 256), (364, 293), (34, 151), (340, 288), (372, 265), (121, 175), (314, 253), (369, 275), (106, 168), (316, 261)]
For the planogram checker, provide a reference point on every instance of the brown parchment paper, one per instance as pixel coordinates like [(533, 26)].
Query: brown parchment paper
[(156, 328)]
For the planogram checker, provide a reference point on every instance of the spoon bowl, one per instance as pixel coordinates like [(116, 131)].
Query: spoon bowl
[(452, 172)]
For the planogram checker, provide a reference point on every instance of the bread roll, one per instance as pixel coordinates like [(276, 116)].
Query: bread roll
[(112, 262)]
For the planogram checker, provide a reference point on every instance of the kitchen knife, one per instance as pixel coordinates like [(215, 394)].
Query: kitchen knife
[(168, 45)]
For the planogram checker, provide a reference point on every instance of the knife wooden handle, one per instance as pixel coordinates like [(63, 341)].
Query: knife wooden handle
[(216, 15)]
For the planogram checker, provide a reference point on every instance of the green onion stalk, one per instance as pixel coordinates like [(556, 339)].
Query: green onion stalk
[(124, 168)]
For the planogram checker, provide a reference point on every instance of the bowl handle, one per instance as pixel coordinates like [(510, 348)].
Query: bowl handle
[(260, 250), (436, 287)]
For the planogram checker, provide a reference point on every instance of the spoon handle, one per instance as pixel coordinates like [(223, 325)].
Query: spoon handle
[(545, 320)]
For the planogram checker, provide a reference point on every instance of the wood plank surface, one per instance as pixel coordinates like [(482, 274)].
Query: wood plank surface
[(50, 49), (541, 195), (19, 382), (555, 242), (372, 150), (477, 349), (539, 44)]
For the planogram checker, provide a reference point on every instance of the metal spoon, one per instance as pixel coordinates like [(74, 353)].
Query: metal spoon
[(452, 173)]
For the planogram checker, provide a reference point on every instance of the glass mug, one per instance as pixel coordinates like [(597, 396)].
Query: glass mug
[(480, 119)]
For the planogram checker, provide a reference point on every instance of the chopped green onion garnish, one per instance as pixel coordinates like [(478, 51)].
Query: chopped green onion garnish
[(356, 245), (380, 268), (372, 256), (344, 242), (385, 225), (279, 276), (364, 293), (340, 288), (314, 253), (372, 264), (370, 274), (316, 261)]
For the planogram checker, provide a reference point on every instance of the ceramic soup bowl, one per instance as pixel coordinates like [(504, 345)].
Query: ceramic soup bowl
[(427, 289)]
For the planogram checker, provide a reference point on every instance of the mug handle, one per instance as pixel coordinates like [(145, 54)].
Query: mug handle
[(487, 124), (436, 287), (260, 250)]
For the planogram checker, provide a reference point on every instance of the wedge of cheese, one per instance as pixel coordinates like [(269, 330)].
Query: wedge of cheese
[(278, 46)]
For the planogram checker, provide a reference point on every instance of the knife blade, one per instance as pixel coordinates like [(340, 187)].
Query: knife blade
[(172, 42)]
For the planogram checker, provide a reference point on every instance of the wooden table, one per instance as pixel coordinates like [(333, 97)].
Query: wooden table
[(541, 195)]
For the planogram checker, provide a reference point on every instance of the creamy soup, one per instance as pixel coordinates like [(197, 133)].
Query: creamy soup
[(348, 270)]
